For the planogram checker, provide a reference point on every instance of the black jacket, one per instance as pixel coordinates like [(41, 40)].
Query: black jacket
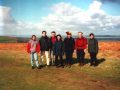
[(58, 48), (44, 43), (69, 44), (93, 46)]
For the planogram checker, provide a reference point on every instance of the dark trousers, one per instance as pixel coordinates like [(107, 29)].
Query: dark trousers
[(80, 55), (56, 60), (93, 58), (69, 57)]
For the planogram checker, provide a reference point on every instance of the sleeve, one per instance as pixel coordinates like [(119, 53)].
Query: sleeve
[(97, 48), (38, 47), (73, 44), (63, 46), (85, 43), (88, 46), (50, 43), (54, 49), (40, 41), (28, 47), (76, 44)]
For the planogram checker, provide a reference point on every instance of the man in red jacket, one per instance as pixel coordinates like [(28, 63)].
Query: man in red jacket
[(80, 45)]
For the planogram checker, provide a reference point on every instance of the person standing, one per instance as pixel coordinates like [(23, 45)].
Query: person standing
[(80, 45), (52, 42), (69, 44), (45, 47), (58, 51), (33, 47), (93, 49)]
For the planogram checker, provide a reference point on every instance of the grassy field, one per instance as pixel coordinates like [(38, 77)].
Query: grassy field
[(16, 72)]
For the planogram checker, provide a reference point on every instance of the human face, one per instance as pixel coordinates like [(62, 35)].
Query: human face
[(91, 36), (58, 37), (80, 35), (53, 34), (34, 38), (44, 34), (68, 36)]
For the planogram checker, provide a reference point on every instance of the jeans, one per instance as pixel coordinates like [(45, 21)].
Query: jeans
[(93, 58), (80, 55), (56, 60), (34, 56), (69, 57)]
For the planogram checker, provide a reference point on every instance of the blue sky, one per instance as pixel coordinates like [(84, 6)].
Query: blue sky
[(32, 12)]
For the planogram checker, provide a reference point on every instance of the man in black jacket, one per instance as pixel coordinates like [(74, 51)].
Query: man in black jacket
[(45, 46), (69, 44)]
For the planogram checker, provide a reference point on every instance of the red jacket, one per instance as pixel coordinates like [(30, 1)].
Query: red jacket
[(37, 48), (81, 43)]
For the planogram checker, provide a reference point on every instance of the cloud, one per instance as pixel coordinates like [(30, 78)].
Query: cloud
[(64, 17), (9, 26)]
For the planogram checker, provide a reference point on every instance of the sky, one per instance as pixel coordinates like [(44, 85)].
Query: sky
[(28, 17)]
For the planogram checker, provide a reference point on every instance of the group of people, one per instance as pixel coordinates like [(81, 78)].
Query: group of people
[(53, 49)]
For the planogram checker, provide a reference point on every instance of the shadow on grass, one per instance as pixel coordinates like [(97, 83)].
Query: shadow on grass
[(86, 61)]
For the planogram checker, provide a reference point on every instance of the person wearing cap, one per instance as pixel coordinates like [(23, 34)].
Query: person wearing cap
[(69, 44), (58, 51), (45, 47), (80, 45), (93, 49), (52, 42)]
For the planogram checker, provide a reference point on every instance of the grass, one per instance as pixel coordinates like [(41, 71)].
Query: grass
[(16, 74), (5, 39)]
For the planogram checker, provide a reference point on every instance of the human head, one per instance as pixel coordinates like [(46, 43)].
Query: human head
[(44, 33), (53, 33), (68, 34), (91, 35), (33, 37), (80, 34), (59, 37)]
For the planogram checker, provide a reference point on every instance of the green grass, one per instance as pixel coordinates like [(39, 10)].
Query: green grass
[(16, 74), (4, 39)]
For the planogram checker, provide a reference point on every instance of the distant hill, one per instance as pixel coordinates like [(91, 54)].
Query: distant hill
[(15, 39), (8, 39), (4, 39)]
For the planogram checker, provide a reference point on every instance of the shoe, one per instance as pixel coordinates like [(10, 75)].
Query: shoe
[(57, 66), (62, 66), (33, 67), (47, 66), (69, 66), (38, 67), (91, 64), (81, 64)]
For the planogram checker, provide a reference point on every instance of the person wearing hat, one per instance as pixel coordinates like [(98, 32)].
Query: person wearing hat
[(80, 45), (58, 51), (52, 42), (69, 44), (93, 49)]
